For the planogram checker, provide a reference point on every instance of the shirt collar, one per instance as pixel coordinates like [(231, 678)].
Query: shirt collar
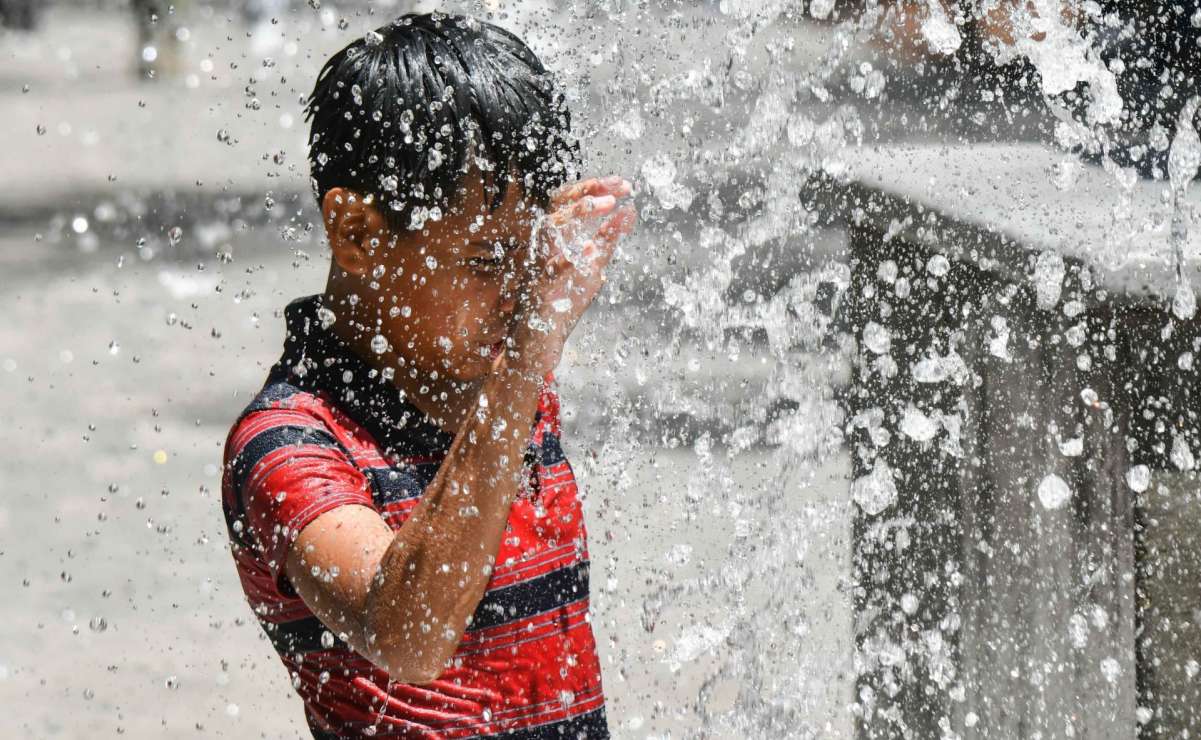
[(319, 360)]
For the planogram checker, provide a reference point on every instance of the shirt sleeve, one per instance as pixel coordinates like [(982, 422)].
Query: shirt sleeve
[(286, 475)]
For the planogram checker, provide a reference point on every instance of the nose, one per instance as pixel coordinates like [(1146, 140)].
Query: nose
[(509, 293)]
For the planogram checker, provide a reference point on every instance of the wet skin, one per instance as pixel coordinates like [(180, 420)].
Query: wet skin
[(445, 296)]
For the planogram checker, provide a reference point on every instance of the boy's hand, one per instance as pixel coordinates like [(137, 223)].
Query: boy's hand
[(555, 292)]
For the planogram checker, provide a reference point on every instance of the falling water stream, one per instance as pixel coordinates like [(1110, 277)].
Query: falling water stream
[(729, 482)]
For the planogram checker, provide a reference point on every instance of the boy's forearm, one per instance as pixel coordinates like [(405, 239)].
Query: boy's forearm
[(434, 573)]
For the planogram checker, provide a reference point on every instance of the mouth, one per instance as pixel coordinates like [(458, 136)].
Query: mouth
[(492, 351)]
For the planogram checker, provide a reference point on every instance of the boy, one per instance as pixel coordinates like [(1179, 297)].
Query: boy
[(403, 519)]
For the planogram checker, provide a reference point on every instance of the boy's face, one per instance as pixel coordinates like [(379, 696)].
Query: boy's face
[(448, 292)]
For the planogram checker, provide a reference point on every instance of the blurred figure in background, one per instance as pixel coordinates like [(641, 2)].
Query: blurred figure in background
[(158, 39), (20, 15)]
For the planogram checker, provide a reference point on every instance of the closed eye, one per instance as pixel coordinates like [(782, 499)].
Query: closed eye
[(488, 264), (492, 263)]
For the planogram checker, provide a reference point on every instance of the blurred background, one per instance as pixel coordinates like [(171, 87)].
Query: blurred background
[(787, 537)]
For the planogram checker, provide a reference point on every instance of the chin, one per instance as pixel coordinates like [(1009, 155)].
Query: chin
[(469, 370)]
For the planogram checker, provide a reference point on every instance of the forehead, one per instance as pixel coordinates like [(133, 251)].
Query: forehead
[(511, 215), (470, 226)]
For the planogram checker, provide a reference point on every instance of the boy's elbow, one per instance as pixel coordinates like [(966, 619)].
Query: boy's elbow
[(420, 678), (404, 667), (415, 674)]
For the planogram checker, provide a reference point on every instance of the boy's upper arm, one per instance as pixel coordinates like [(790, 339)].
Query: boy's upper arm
[(331, 566)]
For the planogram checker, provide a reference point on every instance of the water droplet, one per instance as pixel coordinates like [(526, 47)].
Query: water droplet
[(436, 158), (174, 235), (1138, 478), (876, 338), (1053, 492), (1111, 669), (939, 30), (938, 265), (172, 682), (917, 426), (875, 491), (1048, 277), (1184, 302), (98, 624), (1182, 455), (1072, 447), (379, 344)]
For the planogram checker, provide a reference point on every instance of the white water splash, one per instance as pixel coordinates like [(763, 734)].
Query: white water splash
[(1184, 158), (1049, 271), (939, 30), (875, 491), (1062, 57), (1053, 492)]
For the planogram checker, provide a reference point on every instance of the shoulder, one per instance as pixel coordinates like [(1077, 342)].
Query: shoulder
[(285, 418), (279, 409)]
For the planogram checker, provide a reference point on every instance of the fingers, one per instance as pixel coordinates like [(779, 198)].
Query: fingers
[(612, 185), (589, 206), (617, 226)]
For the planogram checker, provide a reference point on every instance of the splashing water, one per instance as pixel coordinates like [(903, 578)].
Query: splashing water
[(1053, 492), (938, 29), (726, 366), (1184, 158)]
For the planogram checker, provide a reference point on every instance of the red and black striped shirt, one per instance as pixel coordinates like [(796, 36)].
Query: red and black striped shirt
[(327, 430)]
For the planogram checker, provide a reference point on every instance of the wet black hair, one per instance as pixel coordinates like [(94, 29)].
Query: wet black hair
[(404, 112)]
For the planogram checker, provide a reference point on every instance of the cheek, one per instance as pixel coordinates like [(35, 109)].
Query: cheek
[(471, 317)]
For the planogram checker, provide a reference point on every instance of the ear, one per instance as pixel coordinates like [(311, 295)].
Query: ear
[(351, 223)]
